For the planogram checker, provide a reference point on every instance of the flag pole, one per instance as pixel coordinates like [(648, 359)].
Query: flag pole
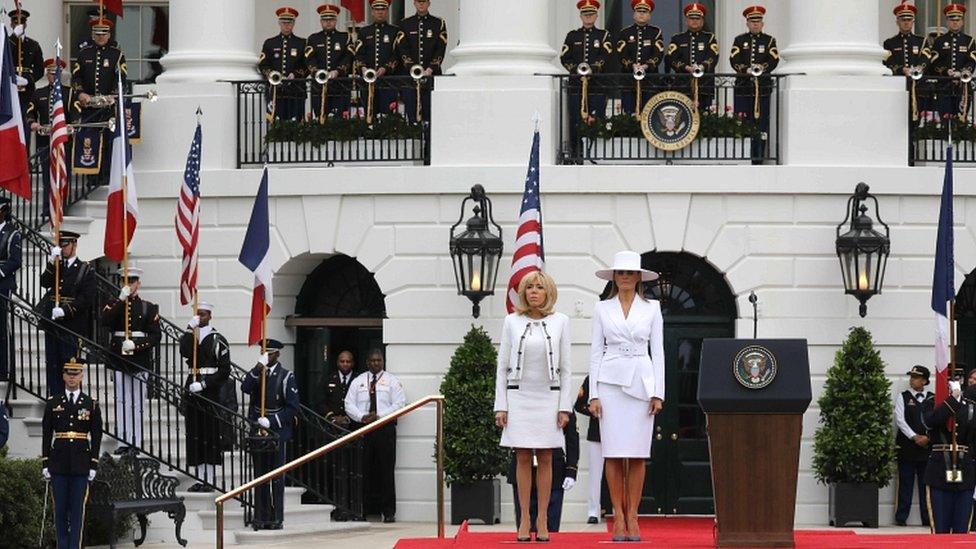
[(55, 216), (196, 305), (125, 208)]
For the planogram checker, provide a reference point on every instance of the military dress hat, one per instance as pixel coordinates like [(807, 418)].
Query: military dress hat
[(205, 306), (588, 6), (101, 25), (905, 11), (695, 10), (73, 365), (328, 11), (954, 11), (49, 64), (273, 345), (379, 4), (920, 371), (754, 13), (642, 5), (134, 273), (18, 16), (627, 261), (68, 237), (287, 14)]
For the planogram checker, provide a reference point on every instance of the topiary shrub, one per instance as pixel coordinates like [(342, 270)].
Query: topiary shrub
[(22, 504), (854, 442), (471, 451)]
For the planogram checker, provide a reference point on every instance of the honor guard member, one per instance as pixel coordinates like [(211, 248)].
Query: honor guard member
[(284, 54), (640, 46), (904, 50), (950, 474), (133, 348), (329, 50), (754, 51), (281, 405), (28, 61), (694, 48), (203, 388), (953, 54), (375, 394), (424, 44), (39, 114), (85, 41), (587, 47), (10, 262), (77, 293), (378, 48), (913, 445), (72, 438)]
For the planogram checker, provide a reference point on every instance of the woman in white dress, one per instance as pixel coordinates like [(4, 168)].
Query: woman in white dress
[(626, 384), (533, 393)]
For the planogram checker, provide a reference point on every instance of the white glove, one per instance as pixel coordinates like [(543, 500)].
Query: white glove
[(55, 253), (57, 313), (194, 322), (124, 293), (128, 346), (46, 474), (568, 483), (196, 387), (91, 475), (263, 359), (264, 422), (955, 388)]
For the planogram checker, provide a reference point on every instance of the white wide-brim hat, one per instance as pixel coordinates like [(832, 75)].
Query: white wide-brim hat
[(627, 261)]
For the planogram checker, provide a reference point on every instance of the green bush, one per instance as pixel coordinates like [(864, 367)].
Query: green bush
[(388, 126), (854, 442), (713, 124), (471, 450)]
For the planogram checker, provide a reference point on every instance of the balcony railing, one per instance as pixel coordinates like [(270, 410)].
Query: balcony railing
[(739, 119), (351, 132), (939, 106)]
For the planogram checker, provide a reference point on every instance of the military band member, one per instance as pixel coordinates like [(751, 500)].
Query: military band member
[(329, 50), (904, 50), (281, 405), (72, 438), (913, 445), (694, 48), (754, 49), (590, 47), (640, 45), (950, 474), (285, 54), (77, 293), (94, 14), (10, 262), (952, 54), (204, 386), (134, 348), (378, 49), (425, 44), (39, 114), (27, 58)]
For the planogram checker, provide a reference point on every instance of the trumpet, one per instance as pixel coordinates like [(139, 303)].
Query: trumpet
[(756, 70), (101, 101), (584, 69), (639, 73), (417, 72), (965, 76), (916, 72), (72, 128), (370, 75), (321, 76), (275, 78), (698, 71)]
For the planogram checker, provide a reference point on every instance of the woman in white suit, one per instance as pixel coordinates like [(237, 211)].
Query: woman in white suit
[(626, 384), (533, 392)]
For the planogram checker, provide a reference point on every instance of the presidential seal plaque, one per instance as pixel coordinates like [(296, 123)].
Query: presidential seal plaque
[(670, 121), (754, 367)]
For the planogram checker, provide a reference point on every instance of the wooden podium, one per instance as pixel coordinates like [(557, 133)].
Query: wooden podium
[(754, 393)]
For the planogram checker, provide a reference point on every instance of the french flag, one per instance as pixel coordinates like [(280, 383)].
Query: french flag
[(14, 173), (943, 285), (254, 256), (120, 222)]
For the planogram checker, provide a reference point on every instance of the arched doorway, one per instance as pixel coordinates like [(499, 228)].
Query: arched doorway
[(697, 303)]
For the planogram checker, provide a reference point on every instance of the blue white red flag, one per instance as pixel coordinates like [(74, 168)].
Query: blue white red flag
[(255, 256)]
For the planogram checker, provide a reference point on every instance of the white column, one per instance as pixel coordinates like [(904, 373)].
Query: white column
[(210, 41), (505, 37), (834, 37)]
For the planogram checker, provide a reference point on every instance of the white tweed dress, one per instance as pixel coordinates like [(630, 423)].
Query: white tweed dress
[(533, 407)]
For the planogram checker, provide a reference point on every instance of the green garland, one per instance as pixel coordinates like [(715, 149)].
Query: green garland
[(712, 125), (392, 126), (940, 131)]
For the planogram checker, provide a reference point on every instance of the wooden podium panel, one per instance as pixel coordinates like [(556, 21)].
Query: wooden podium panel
[(755, 460)]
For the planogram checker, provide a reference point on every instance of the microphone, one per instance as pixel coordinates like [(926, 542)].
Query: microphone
[(755, 322)]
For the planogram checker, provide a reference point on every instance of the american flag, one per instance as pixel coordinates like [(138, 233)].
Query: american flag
[(59, 137), (529, 255), (188, 219)]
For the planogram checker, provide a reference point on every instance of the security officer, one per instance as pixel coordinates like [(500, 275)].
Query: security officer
[(373, 395), (285, 54), (640, 45), (951, 474), (277, 415), (694, 47), (913, 444), (952, 54), (424, 44), (203, 389), (27, 59), (754, 49), (589, 47), (77, 293), (10, 262), (336, 388), (133, 348), (39, 114), (329, 50), (72, 437), (378, 48), (564, 471)]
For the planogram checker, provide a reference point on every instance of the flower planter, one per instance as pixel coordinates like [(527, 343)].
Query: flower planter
[(853, 502), (360, 150), (481, 499), (637, 150)]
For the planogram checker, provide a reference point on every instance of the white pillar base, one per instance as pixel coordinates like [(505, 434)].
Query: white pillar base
[(504, 59), (841, 58)]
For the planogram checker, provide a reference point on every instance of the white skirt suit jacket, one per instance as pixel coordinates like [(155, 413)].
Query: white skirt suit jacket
[(626, 372)]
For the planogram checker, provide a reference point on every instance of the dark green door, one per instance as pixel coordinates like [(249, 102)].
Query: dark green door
[(319, 346)]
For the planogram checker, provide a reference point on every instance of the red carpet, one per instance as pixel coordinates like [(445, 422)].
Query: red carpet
[(686, 533)]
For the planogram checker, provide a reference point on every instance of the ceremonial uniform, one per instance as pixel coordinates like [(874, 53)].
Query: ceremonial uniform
[(329, 50), (281, 406), (951, 474), (564, 466), (593, 496), (10, 262), (336, 388), (424, 43), (904, 51), (28, 61), (378, 47), (752, 93), (694, 48), (950, 54), (39, 111), (285, 53), (640, 45)]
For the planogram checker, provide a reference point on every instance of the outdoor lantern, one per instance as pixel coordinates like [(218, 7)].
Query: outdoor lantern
[(863, 251), (476, 251)]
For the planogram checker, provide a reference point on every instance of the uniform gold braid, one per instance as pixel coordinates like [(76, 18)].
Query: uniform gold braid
[(928, 501)]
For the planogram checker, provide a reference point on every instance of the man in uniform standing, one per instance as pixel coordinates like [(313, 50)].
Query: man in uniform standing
[(72, 311), (951, 474), (10, 262), (134, 346), (589, 47), (641, 45), (204, 384), (375, 394), (952, 54), (39, 114), (378, 49), (424, 44), (913, 445), (28, 61), (754, 50), (276, 414), (285, 54), (904, 50), (694, 48), (72, 438), (338, 464), (331, 51)]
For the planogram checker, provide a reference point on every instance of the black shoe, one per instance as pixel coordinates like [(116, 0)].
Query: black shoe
[(206, 488), (389, 518), (357, 518), (900, 523), (592, 520), (276, 526), (198, 487), (122, 450)]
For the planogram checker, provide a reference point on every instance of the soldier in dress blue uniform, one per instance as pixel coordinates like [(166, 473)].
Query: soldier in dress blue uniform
[(639, 45), (951, 473), (913, 445), (754, 48), (10, 262), (378, 48), (27, 59), (329, 50), (77, 294), (285, 53), (39, 114), (72, 437), (85, 41), (425, 44), (591, 46), (281, 406), (952, 54), (693, 47)]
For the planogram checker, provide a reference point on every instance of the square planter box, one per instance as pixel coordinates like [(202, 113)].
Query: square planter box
[(853, 502), (637, 150), (360, 150), (480, 500)]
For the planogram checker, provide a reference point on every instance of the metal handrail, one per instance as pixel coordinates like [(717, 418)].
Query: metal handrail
[(336, 444)]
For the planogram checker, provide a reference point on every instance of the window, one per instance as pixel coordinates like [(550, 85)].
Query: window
[(143, 35)]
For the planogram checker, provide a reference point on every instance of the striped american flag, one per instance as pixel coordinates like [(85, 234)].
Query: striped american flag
[(529, 255), (188, 219), (59, 137)]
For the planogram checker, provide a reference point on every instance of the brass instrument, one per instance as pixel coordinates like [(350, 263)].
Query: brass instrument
[(322, 78), (417, 73), (965, 76), (275, 78), (756, 70), (102, 101), (697, 71), (639, 74), (72, 128), (584, 70), (916, 72), (370, 76)]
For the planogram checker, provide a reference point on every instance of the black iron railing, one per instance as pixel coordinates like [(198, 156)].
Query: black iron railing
[(350, 132), (940, 106), (739, 121)]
